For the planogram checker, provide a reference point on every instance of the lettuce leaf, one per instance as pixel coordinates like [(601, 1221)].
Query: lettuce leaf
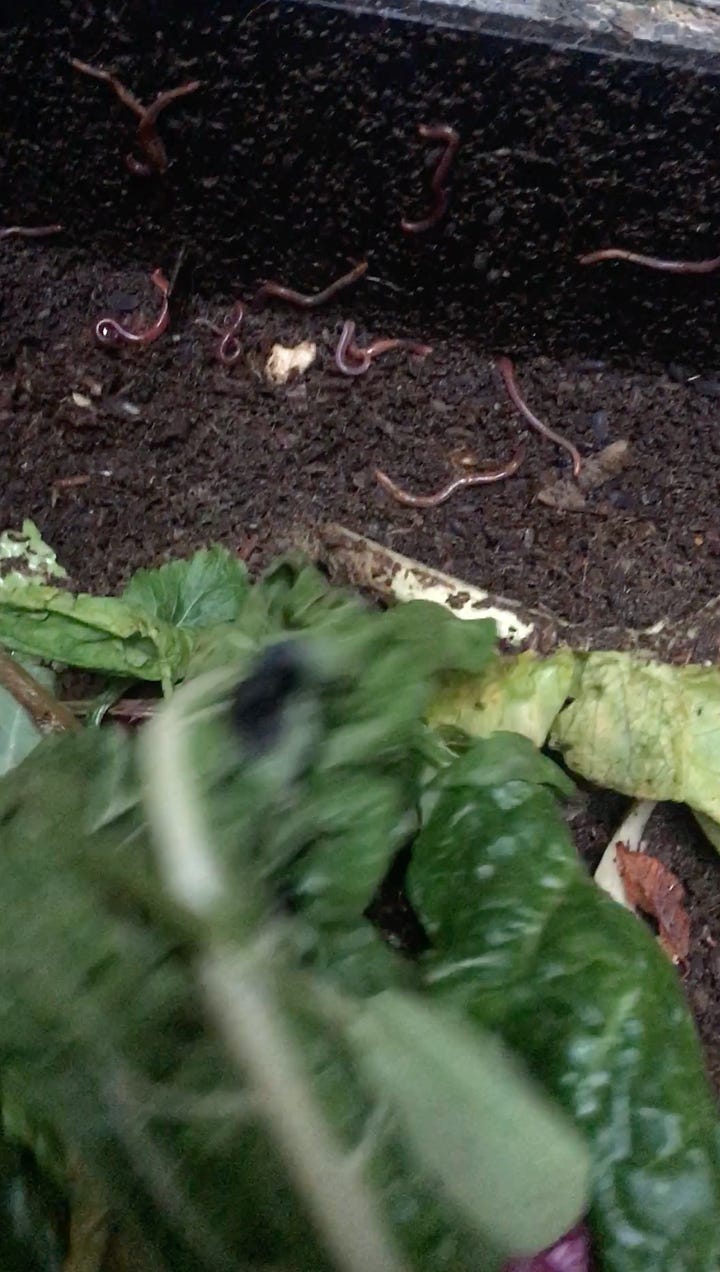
[(24, 555), (517, 693), (646, 729)]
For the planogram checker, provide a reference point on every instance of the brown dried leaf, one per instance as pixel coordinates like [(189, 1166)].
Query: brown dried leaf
[(655, 890)]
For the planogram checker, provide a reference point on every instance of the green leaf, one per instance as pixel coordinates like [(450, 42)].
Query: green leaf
[(510, 1162), (520, 693), (96, 633), (104, 1028), (709, 827), (525, 943), (209, 588), (24, 556), (32, 1218), (18, 732), (437, 641), (646, 729)]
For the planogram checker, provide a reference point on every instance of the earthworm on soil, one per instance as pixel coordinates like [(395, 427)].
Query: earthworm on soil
[(652, 262), (505, 367), (352, 360), (148, 139), (229, 349), (315, 299), (25, 231), (110, 332), (345, 361), (402, 496), (436, 132)]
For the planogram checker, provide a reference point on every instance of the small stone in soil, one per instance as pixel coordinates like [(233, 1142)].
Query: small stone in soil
[(600, 425), (122, 302)]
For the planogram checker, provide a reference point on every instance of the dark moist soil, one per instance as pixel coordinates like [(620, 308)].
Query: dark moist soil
[(178, 451)]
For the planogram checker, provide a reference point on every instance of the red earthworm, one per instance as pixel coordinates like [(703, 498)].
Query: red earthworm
[(352, 360), (126, 97), (652, 262), (345, 360), (314, 300), (68, 483), (376, 347), (148, 140), (436, 132), (109, 332), (229, 349), (505, 367), (25, 231), (402, 496)]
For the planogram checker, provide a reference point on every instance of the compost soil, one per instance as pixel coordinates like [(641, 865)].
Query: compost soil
[(125, 458)]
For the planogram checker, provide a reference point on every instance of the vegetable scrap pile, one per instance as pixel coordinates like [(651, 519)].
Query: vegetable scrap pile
[(211, 1056)]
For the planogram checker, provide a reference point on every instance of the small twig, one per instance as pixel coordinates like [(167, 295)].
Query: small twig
[(505, 367), (436, 132), (110, 332), (175, 273), (148, 139), (651, 262), (30, 231), (441, 496), (44, 709), (352, 360), (315, 299)]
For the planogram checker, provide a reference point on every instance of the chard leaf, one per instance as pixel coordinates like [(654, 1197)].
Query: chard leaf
[(518, 693), (96, 633), (208, 589), (646, 729), (525, 943), (507, 1159)]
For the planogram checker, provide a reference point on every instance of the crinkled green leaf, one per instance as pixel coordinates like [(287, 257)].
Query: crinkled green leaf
[(645, 728), (525, 943), (24, 556), (18, 732), (505, 1156), (208, 589), (96, 633), (518, 693)]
